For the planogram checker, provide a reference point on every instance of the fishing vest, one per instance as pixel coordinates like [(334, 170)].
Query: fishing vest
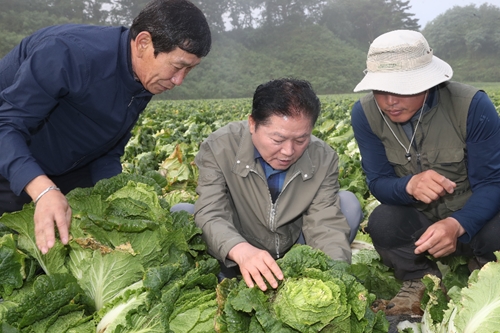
[(439, 144)]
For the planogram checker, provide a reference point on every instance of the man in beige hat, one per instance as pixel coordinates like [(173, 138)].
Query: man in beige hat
[(431, 153)]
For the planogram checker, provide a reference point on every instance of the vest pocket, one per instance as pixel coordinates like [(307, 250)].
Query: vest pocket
[(450, 163), (399, 162)]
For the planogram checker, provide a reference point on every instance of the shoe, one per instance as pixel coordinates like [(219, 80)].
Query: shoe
[(476, 263), (407, 300)]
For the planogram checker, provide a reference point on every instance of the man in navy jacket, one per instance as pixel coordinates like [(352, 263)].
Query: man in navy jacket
[(69, 96)]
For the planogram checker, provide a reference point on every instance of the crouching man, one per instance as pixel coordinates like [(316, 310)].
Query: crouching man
[(266, 182), (431, 154)]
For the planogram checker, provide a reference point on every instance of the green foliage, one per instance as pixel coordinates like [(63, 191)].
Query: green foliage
[(123, 12), (316, 295), (318, 45), (18, 19), (113, 265), (465, 31), (467, 37), (22, 222), (241, 60), (15, 26), (168, 136), (375, 276), (230, 70), (156, 275), (324, 42), (361, 21), (473, 308), (11, 265), (48, 296)]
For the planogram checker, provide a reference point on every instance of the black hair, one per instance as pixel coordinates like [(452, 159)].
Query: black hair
[(285, 97), (174, 23)]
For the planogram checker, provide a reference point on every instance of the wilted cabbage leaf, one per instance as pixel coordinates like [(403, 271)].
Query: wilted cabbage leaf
[(472, 309)]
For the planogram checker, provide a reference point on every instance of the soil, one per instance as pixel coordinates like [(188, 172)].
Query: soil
[(380, 304)]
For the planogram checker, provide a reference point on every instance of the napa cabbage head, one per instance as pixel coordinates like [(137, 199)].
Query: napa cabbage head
[(478, 308), (308, 303), (472, 309), (316, 295)]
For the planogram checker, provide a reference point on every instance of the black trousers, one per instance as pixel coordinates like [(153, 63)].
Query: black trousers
[(395, 229), (9, 202)]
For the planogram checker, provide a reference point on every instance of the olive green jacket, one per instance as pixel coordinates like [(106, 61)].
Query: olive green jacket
[(235, 206)]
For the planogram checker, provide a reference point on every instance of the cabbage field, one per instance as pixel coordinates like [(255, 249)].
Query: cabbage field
[(169, 133), (132, 266)]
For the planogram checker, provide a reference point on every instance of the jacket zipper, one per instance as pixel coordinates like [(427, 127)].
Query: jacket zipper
[(417, 149), (276, 238), (133, 97), (272, 213)]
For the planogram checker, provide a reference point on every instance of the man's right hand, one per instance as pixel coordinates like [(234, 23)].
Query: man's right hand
[(255, 264), (51, 207), (429, 186)]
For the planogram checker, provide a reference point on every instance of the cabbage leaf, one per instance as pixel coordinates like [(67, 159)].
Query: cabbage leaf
[(316, 295)]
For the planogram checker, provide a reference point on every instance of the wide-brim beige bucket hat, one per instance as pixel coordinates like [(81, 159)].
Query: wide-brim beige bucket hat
[(401, 62)]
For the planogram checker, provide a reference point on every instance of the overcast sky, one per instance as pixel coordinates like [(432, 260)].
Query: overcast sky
[(427, 10)]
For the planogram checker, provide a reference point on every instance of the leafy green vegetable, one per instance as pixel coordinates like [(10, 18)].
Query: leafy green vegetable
[(474, 308), (373, 274), (103, 275), (172, 297), (22, 222), (12, 261), (57, 294), (317, 295), (308, 305), (136, 278)]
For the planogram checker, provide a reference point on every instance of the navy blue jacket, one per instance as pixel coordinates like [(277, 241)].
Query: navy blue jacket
[(483, 164), (68, 98)]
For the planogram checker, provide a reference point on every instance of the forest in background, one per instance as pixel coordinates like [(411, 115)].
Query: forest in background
[(323, 41)]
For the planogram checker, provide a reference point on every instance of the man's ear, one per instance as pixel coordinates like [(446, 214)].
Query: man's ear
[(142, 42), (251, 124)]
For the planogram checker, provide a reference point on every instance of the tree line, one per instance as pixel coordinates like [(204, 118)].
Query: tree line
[(324, 41), (357, 20)]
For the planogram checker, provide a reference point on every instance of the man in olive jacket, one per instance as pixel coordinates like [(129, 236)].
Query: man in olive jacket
[(264, 182)]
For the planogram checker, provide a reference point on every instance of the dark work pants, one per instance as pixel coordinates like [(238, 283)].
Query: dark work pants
[(395, 229), (9, 202)]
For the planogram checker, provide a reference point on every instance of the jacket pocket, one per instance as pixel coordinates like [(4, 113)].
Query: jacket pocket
[(451, 163), (399, 162)]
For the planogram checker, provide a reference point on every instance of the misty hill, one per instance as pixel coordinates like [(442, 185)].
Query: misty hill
[(331, 54), (239, 61), (323, 41)]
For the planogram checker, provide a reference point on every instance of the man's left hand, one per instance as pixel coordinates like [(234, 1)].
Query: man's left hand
[(440, 239)]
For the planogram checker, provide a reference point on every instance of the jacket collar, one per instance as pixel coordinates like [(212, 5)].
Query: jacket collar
[(246, 161), (134, 87)]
